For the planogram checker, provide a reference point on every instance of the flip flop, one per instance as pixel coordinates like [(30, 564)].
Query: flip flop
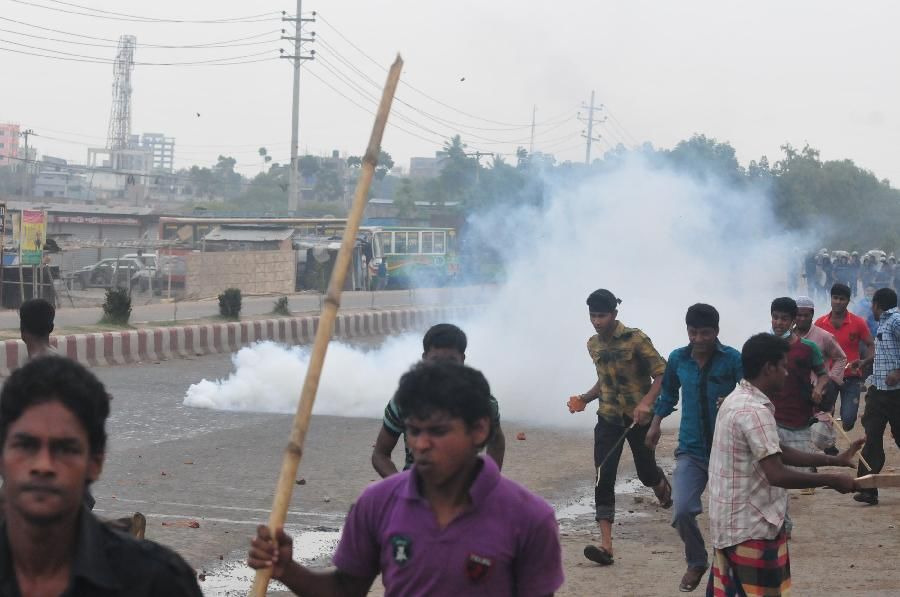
[(691, 579), (665, 500), (598, 555)]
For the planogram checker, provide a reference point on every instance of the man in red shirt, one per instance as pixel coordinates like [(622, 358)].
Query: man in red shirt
[(849, 330)]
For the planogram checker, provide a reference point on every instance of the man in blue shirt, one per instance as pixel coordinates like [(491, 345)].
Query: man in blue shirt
[(883, 398), (863, 308), (705, 371)]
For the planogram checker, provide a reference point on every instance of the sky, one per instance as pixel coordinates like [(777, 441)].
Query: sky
[(757, 75)]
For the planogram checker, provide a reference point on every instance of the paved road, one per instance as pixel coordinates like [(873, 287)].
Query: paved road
[(299, 303), (175, 463)]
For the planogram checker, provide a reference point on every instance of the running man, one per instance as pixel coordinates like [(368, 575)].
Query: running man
[(626, 361), (442, 342), (831, 351), (883, 397), (451, 525), (849, 330), (704, 371), (796, 401), (748, 479)]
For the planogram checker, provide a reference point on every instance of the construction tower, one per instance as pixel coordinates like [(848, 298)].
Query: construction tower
[(119, 134)]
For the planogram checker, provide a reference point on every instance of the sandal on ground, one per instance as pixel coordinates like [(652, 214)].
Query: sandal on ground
[(598, 555), (691, 579), (665, 496)]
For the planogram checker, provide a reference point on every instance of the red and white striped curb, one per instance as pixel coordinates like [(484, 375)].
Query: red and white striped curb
[(156, 344)]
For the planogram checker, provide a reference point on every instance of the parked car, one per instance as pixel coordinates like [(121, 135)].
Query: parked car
[(171, 266), (148, 259), (113, 272)]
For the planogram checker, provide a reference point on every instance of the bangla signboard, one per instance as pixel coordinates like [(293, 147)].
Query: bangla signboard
[(33, 232), (101, 220)]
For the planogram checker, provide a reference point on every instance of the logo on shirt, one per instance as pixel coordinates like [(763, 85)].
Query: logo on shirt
[(477, 567), (401, 548)]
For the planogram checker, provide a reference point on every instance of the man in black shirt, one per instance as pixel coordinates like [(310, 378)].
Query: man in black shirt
[(52, 443)]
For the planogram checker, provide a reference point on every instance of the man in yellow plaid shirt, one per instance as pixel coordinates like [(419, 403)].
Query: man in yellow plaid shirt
[(629, 377)]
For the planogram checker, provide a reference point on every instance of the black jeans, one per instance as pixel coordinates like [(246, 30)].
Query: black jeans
[(882, 408), (606, 434)]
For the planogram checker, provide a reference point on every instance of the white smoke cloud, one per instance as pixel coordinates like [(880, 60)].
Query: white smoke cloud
[(659, 240)]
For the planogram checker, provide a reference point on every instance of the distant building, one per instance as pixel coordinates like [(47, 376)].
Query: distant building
[(9, 144), (163, 150), (543, 160), (55, 179), (427, 167), (87, 228)]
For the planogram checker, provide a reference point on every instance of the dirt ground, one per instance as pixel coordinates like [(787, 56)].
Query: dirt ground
[(839, 547), (174, 463)]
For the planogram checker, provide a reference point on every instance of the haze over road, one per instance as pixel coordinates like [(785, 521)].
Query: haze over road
[(261, 305)]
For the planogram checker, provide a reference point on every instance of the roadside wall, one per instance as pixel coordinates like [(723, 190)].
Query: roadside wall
[(157, 344), (254, 272)]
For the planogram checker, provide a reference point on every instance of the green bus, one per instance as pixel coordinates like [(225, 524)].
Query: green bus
[(414, 257)]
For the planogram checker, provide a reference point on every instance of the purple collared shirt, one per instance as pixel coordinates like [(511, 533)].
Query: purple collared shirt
[(506, 543)]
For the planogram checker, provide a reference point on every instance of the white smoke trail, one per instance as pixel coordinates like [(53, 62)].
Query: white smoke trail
[(659, 240)]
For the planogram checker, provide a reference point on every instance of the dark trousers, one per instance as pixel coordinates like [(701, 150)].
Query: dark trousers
[(606, 434), (882, 408)]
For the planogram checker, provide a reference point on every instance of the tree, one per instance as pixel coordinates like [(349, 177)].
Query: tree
[(405, 199), (328, 185), (704, 157), (522, 158), (227, 181), (264, 154), (309, 165), (385, 163), (458, 171)]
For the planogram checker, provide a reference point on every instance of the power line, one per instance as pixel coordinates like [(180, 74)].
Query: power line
[(372, 112), (370, 97), (114, 16), (155, 47), (462, 127), (622, 128), (72, 57), (143, 44), (417, 90), (482, 140)]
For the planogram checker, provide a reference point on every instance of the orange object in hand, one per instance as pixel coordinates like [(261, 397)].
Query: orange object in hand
[(576, 404)]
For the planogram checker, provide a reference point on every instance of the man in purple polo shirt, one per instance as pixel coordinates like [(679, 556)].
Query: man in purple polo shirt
[(450, 525)]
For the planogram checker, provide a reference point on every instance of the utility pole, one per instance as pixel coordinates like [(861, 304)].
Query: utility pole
[(478, 155), (589, 133), (26, 133), (298, 57), (531, 145)]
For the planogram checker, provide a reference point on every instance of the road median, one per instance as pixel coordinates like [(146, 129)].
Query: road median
[(154, 344)]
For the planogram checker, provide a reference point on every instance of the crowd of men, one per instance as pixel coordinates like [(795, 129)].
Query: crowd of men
[(450, 523), (873, 269), (748, 423)]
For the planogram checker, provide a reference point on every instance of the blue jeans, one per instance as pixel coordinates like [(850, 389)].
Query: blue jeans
[(688, 483), (849, 394), (849, 401)]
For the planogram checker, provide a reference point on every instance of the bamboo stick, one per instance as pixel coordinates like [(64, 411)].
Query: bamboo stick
[(849, 441), (293, 452)]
